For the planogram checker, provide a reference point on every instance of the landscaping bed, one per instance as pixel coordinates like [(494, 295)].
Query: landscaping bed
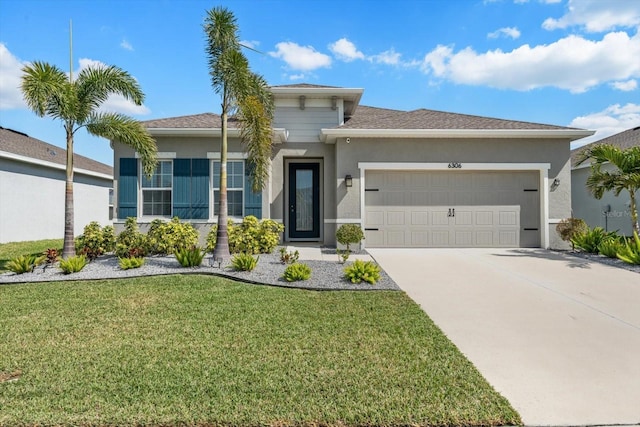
[(269, 270)]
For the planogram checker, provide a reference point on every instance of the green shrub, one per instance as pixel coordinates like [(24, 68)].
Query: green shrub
[(73, 264), (297, 271), (131, 242), (349, 233), (244, 262), (190, 257), (128, 263), (250, 236), (165, 238), (568, 228), (590, 240), (95, 241), (288, 257), (23, 263), (610, 247), (630, 252), (360, 271)]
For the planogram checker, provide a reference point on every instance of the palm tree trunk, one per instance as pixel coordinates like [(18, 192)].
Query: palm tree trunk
[(634, 212), (221, 250), (68, 249)]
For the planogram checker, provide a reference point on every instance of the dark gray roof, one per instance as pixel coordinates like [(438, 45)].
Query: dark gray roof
[(195, 121), (21, 144), (380, 118), (623, 140)]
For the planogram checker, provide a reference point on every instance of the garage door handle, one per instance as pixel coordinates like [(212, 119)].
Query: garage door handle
[(371, 189), (371, 229), (452, 212)]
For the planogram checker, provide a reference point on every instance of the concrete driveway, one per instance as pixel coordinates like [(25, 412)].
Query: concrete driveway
[(558, 336)]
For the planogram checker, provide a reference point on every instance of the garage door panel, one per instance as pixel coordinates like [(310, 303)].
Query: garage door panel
[(416, 209), (395, 218), (420, 218)]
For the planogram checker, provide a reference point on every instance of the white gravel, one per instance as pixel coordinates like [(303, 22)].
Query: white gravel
[(325, 275)]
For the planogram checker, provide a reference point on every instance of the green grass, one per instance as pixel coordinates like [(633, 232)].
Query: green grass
[(200, 350), (14, 249)]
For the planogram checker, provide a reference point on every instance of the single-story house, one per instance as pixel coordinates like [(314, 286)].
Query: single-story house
[(611, 212), (32, 189), (417, 178)]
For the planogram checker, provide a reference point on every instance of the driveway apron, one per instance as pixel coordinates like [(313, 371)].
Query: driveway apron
[(558, 336)]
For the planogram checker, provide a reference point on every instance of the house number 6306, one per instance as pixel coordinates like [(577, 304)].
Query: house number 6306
[(455, 165)]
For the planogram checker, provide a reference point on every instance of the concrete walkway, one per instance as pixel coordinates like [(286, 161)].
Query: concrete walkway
[(558, 336), (311, 251)]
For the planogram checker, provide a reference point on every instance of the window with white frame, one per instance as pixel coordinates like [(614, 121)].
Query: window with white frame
[(156, 191), (235, 187)]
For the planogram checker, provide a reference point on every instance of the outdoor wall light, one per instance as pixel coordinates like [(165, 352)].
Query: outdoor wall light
[(348, 181)]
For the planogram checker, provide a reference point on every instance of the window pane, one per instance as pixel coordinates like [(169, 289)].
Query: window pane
[(161, 177), (156, 202), (304, 200)]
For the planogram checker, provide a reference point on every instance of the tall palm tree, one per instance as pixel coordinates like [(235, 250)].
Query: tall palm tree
[(245, 95), (48, 91), (625, 176)]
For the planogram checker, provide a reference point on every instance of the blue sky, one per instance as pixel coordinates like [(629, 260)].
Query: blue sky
[(564, 62)]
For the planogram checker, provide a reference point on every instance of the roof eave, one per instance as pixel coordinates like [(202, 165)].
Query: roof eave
[(52, 165), (330, 135)]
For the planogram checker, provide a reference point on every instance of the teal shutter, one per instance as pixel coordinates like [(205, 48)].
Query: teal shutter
[(191, 188), (128, 188), (182, 188), (200, 188), (252, 201)]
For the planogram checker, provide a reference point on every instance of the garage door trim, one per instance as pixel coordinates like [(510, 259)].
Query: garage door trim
[(542, 168)]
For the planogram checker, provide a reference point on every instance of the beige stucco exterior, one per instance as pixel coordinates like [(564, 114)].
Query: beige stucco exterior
[(312, 131)]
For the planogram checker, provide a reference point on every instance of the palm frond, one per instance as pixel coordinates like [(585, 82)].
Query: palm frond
[(43, 87), (221, 29), (128, 131), (95, 84), (257, 134)]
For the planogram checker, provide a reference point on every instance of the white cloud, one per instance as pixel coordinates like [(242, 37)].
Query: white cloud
[(345, 50), (613, 119), (302, 58), (627, 86), (388, 57), (10, 73), (126, 45), (572, 63), (597, 15), (300, 76), (512, 32)]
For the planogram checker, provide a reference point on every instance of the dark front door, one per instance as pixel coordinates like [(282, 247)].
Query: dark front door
[(304, 200)]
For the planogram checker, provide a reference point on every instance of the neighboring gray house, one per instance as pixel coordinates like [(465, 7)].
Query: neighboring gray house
[(418, 178), (610, 212), (32, 181)]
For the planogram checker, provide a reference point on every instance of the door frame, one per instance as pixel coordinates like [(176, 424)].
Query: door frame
[(287, 181)]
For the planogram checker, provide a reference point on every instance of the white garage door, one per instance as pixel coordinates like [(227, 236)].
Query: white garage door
[(452, 209)]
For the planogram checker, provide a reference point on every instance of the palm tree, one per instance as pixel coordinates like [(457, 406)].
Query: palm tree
[(48, 91), (625, 176), (244, 94)]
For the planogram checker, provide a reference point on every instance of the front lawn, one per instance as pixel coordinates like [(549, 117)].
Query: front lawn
[(201, 350), (11, 250)]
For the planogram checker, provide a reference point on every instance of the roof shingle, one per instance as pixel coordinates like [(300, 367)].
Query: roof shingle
[(378, 118), (21, 144), (623, 140)]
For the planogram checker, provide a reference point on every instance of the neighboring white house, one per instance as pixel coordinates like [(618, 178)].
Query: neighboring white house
[(419, 178), (32, 181), (611, 212)]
